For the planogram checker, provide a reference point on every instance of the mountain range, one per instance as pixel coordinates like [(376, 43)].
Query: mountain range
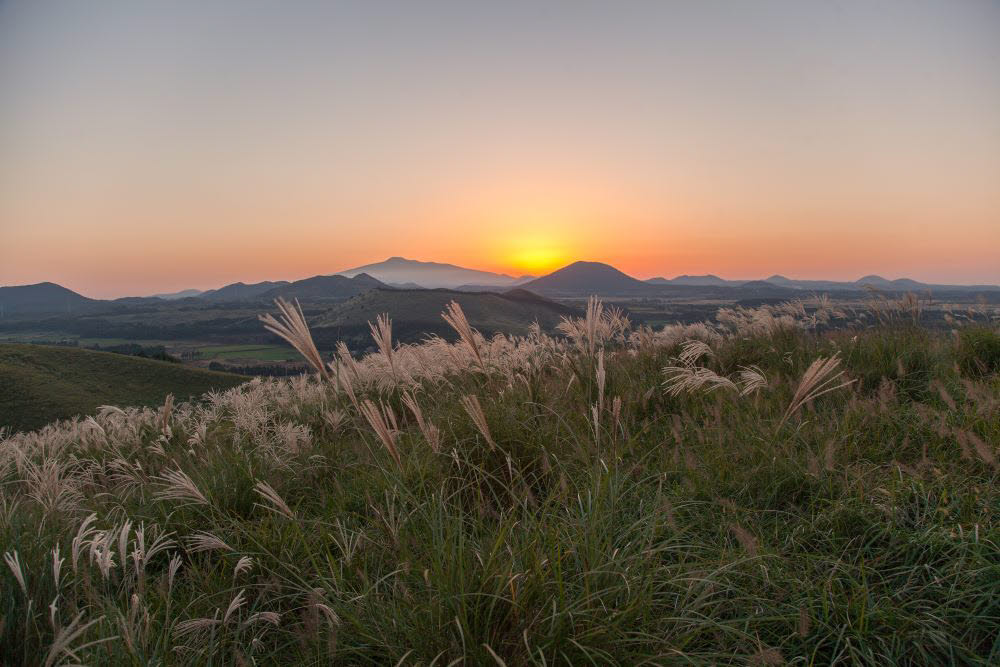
[(578, 279), (399, 271)]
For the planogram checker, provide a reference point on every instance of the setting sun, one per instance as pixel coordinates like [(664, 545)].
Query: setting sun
[(538, 260)]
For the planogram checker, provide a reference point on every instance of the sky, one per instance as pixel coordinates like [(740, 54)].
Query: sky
[(155, 146)]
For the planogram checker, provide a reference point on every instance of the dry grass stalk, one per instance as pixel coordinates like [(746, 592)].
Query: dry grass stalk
[(829, 452), (345, 383), (194, 627), (767, 657), (692, 351), (379, 420), (820, 378), (333, 418), (596, 327), (687, 377), (178, 486), (963, 441), (745, 538), (14, 563), (244, 564), (83, 533), (172, 568), (56, 565), (234, 606), (382, 333), (805, 623), (595, 309), (601, 379), (61, 644), (204, 541), (455, 317), (348, 360), (293, 328), (431, 433), (275, 501), (595, 422), (945, 396), (168, 408), (984, 451), (751, 380), (475, 410), (680, 379), (269, 617)]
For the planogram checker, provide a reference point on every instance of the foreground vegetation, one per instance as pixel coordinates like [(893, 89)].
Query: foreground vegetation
[(790, 485), (43, 383)]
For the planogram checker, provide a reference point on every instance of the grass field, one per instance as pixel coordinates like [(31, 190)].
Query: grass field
[(49, 337), (42, 383), (257, 352), (787, 486)]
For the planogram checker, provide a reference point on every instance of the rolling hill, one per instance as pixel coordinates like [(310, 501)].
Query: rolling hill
[(898, 284), (399, 270), (583, 278), (42, 383), (173, 296), (324, 287), (241, 291), (41, 298), (708, 280), (417, 313)]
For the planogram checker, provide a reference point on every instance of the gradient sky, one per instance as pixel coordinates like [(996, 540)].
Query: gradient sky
[(151, 146)]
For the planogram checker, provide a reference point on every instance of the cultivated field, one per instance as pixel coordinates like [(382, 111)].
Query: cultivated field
[(793, 483)]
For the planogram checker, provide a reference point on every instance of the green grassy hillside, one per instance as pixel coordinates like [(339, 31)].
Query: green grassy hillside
[(42, 383)]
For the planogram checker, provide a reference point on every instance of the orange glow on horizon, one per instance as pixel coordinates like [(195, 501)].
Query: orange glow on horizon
[(143, 156)]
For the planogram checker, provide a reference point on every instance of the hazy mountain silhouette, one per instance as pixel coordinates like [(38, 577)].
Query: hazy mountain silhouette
[(182, 294), (400, 270), (898, 284), (708, 280), (41, 298), (810, 284), (241, 291), (324, 287), (575, 280), (878, 282)]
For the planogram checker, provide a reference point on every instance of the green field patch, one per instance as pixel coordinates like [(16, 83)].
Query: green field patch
[(258, 352)]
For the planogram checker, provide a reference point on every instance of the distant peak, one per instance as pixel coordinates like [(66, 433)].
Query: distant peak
[(584, 262)]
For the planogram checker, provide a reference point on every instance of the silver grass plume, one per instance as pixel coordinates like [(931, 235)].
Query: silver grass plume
[(818, 379), (293, 328)]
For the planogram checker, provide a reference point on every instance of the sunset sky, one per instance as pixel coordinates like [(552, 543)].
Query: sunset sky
[(153, 146)]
